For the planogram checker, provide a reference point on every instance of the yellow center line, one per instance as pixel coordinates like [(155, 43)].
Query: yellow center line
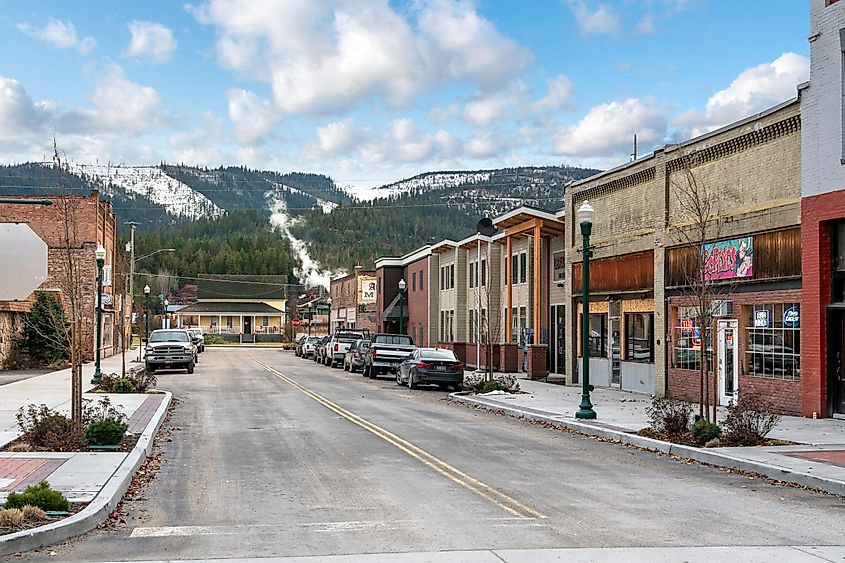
[(483, 490)]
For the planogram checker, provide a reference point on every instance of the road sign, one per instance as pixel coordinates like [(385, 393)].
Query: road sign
[(24, 258), (295, 323)]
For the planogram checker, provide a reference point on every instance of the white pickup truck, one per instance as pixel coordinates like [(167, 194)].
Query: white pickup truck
[(385, 353), (339, 344)]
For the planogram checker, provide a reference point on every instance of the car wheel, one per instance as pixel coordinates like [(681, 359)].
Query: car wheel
[(398, 378), (190, 367), (411, 383), (458, 387), (443, 387), (373, 372)]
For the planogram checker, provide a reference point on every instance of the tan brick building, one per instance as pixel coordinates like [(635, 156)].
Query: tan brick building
[(93, 223), (354, 301)]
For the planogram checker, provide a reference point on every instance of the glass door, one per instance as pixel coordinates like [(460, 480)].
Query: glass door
[(728, 361), (837, 361)]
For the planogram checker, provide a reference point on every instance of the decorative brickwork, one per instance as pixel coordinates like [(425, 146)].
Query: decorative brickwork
[(509, 356)]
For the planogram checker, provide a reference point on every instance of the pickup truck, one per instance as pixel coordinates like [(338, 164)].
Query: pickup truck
[(385, 353), (338, 345), (170, 349)]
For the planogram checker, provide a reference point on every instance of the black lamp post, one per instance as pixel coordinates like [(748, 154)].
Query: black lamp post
[(146, 313), (402, 286), (585, 218), (100, 254)]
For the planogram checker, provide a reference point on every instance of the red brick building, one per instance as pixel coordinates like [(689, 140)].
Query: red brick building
[(92, 222), (354, 301)]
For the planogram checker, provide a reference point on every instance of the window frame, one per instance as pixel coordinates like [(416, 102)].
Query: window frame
[(630, 338)]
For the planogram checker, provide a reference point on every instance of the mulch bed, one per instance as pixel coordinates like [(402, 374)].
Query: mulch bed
[(125, 445), (687, 439)]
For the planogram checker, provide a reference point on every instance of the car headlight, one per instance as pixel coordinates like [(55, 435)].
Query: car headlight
[(188, 349)]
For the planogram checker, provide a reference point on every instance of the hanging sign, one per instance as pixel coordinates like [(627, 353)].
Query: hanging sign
[(791, 317), (762, 319)]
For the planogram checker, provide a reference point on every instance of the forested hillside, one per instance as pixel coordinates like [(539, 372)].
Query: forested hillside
[(240, 242), (422, 212)]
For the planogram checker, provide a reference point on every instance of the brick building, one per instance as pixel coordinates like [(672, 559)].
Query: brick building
[(92, 223), (413, 313), (644, 333), (354, 301), (823, 215)]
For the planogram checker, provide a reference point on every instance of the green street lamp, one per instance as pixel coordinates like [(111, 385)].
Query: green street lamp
[(100, 254), (402, 286), (146, 313), (585, 218)]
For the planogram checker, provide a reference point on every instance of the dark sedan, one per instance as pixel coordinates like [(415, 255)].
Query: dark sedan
[(431, 366)]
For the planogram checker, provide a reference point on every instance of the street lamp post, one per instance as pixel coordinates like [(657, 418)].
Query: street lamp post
[(166, 315), (402, 286), (146, 313), (585, 218), (100, 254)]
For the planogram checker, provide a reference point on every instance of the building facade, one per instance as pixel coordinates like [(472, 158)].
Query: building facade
[(353, 301), (91, 223), (823, 215)]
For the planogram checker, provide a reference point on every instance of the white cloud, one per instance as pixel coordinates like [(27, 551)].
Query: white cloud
[(599, 20), (484, 109), (754, 90), (322, 57), (338, 137), (152, 41), (484, 144), (557, 95), (645, 25), (20, 115), (252, 117), (121, 108), (608, 129), (60, 34)]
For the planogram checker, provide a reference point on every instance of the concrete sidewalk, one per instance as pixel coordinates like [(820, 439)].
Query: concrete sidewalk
[(819, 460)]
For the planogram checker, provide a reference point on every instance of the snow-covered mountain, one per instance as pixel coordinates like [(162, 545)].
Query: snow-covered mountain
[(421, 182)]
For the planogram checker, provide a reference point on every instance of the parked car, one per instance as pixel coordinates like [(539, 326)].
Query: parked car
[(354, 358), (309, 347), (299, 342), (321, 349), (385, 353), (339, 343), (431, 366), (170, 349), (199, 338)]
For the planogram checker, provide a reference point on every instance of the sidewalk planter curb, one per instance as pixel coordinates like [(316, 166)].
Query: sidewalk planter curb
[(709, 456), (103, 504)]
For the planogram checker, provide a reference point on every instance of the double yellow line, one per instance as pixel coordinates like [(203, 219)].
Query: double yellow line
[(483, 490)]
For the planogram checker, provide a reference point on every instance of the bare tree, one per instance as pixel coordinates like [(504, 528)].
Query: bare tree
[(697, 223)]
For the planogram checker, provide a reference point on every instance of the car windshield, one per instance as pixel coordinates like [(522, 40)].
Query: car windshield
[(311, 340), (447, 355), (393, 339), (347, 336), (169, 336), (196, 331)]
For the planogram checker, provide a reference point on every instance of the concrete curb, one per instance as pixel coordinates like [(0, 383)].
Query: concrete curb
[(103, 504), (709, 456)]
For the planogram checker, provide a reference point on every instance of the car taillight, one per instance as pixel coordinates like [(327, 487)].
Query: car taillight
[(458, 367), (335, 347), (357, 355), (424, 365), (374, 353)]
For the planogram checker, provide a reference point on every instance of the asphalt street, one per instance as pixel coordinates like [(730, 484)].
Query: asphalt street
[(275, 456)]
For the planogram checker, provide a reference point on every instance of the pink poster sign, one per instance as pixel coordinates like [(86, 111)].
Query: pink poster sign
[(729, 259)]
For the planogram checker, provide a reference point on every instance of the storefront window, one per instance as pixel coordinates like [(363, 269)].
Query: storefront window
[(639, 337), (689, 340), (598, 335), (773, 348)]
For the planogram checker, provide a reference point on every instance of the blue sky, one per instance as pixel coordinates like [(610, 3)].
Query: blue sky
[(371, 91)]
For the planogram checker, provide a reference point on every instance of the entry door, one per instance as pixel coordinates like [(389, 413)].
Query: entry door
[(728, 361), (837, 361), (248, 325), (560, 343)]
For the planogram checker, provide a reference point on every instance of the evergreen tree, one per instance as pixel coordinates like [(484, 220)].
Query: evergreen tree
[(46, 332)]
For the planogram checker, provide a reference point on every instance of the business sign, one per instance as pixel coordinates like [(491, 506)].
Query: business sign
[(367, 290), (559, 265), (792, 317), (107, 275), (729, 259), (762, 319)]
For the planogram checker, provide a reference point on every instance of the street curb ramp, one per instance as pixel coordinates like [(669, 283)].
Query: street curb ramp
[(103, 504), (708, 456)]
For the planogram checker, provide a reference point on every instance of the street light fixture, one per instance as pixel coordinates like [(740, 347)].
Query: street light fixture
[(100, 255), (166, 314), (402, 286), (585, 219), (146, 313)]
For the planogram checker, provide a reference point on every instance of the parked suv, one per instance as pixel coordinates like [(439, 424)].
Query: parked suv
[(309, 347), (299, 342), (170, 349), (321, 349), (354, 358), (198, 338)]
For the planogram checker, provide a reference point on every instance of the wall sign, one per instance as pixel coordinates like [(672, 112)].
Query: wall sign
[(762, 319), (366, 290), (792, 317), (559, 265), (729, 259)]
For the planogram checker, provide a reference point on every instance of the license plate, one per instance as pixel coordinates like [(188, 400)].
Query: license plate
[(168, 360), (441, 368)]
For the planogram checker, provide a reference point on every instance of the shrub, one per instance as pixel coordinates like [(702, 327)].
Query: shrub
[(33, 514), (214, 339), (40, 496), (108, 432), (490, 386), (704, 431), (11, 518), (476, 383), (21, 447), (134, 382), (143, 381), (749, 420), (47, 429), (101, 410), (669, 416), (123, 385)]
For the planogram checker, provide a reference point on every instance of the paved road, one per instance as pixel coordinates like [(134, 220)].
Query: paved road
[(275, 456), (10, 376)]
